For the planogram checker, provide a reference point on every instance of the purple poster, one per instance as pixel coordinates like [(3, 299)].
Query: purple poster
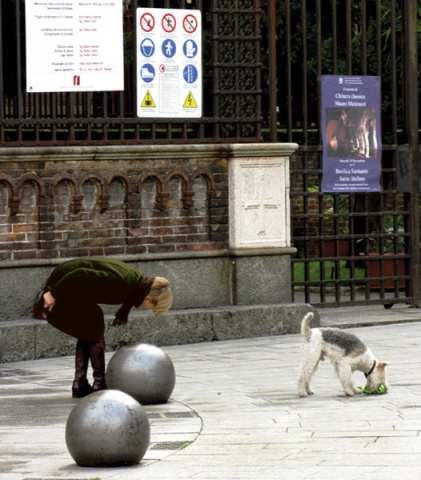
[(351, 133)]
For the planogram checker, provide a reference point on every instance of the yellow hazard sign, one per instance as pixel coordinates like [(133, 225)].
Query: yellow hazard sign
[(190, 102), (148, 100)]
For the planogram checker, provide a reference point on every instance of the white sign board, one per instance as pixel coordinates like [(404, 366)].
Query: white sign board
[(169, 63), (74, 45)]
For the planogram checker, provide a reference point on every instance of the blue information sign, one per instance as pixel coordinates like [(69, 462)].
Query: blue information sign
[(169, 48), (147, 47), (190, 48), (190, 73), (147, 72)]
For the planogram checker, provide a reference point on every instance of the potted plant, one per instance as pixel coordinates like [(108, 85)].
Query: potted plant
[(384, 252), (333, 204)]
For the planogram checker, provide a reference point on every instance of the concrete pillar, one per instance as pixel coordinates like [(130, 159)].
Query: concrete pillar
[(259, 222)]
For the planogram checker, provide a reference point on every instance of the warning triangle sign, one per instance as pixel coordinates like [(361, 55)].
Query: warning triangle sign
[(148, 100), (190, 102)]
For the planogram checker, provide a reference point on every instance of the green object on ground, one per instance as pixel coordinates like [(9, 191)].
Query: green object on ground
[(367, 390)]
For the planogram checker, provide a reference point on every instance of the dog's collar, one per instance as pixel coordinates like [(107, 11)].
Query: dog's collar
[(371, 369)]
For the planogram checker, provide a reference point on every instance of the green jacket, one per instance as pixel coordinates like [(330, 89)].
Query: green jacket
[(100, 280)]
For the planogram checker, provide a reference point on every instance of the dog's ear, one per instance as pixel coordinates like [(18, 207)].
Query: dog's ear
[(382, 365)]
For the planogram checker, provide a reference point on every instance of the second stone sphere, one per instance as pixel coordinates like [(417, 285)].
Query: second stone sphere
[(144, 372)]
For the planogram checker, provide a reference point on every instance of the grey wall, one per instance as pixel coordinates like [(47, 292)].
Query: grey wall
[(198, 282)]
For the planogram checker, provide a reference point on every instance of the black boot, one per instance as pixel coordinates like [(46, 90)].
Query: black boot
[(81, 386), (97, 356)]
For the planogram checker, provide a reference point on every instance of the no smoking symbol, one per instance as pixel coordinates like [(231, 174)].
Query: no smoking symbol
[(190, 23)]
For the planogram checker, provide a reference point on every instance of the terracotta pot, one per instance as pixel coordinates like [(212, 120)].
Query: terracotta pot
[(329, 248), (373, 270)]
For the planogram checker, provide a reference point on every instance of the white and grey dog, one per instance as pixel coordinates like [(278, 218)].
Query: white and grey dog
[(346, 352)]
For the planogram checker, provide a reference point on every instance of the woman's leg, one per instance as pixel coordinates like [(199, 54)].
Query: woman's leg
[(81, 386), (97, 356), (84, 321)]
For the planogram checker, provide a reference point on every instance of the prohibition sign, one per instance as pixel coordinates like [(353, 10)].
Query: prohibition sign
[(168, 22), (147, 22), (190, 23)]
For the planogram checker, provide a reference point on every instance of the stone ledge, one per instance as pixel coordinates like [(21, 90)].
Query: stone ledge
[(34, 339)]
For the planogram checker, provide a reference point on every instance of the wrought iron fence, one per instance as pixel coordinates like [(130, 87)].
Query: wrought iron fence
[(346, 243), (262, 61), (352, 248), (231, 79)]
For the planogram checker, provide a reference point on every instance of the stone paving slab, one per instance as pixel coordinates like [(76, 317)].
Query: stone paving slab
[(235, 415), (370, 315)]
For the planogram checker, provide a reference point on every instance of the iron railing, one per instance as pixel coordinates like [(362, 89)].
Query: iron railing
[(349, 38), (231, 79), (262, 61)]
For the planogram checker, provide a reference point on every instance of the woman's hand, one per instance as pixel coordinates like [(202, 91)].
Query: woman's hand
[(119, 320), (49, 301)]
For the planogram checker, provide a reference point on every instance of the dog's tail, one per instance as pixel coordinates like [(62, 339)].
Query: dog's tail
[(305, 324)]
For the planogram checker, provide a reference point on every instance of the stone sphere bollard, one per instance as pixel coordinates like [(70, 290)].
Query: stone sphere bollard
[(143, 371), (107, 429)]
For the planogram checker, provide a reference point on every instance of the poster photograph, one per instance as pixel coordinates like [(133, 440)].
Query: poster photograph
[(351, 133)]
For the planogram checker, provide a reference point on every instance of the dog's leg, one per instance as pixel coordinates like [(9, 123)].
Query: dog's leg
[(308, 369), (344, 373)]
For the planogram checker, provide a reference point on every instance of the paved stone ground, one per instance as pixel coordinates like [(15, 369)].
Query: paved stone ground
[(234, 413)]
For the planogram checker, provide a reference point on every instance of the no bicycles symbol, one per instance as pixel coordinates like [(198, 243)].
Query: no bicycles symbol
[(168, 22)]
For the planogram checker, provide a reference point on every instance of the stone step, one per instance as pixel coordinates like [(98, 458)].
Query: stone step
[(29, 339)]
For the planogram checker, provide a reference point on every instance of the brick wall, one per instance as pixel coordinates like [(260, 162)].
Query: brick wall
[(58, 203)]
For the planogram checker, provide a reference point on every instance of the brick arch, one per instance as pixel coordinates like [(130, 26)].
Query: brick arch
[(162, 193), (98, 181), (61, 177), (121, 177), (178, 173), (186, 184), (10, 185), (27, 194), (7, 179), (207, 175), (149, 174), (76, 199), (17, 189), (209, 179), (95, 177), (33, 178)]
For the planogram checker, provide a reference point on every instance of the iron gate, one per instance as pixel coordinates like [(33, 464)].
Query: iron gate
[(262, 66), (351, 249)]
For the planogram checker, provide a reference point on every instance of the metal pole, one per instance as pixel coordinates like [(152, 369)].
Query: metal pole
[(273, 120), (2, 95), (409, 8), (1, 60)]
